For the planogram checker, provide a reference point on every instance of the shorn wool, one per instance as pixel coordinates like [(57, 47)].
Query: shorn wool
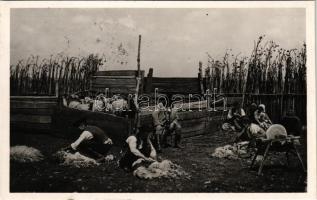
[(25, 154), (165, 169)]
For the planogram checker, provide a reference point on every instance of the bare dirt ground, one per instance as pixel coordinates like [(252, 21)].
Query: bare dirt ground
[(208, 174)]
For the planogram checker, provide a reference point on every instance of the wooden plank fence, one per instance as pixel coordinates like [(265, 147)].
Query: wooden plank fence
[(175, 85), (116, 127), (32, 112), (276, 104), (117, 81), (193, 123)]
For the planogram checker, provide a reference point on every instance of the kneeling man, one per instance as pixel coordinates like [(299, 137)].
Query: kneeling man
[(92, 142), (140, 151)]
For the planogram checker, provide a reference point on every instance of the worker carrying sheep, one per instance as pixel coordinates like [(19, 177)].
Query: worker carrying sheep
[(249, 130), (92, 142)]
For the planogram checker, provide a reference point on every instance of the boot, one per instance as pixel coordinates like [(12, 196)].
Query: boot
[(165, 144), (177, 141), (158, 142)]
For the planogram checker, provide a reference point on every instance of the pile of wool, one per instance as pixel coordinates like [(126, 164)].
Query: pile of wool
[(231, 151), (165, 169), (25, 154), (75, 160)]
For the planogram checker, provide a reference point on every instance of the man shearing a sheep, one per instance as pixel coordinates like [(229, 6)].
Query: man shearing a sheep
[(93, 141)]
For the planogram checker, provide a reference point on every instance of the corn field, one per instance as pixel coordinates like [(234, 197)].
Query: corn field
[(269, 70), (39, 77), (271, 75)]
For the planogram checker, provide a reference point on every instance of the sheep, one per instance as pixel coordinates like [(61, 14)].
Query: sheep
[(119, 105), (84, 106), (76, 160), (98, 105), (276, 131), (73, 104), (101, 103)]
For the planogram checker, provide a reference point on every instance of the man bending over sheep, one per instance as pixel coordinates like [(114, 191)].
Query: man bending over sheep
[(140, 151), (93, 141), (249, 130)]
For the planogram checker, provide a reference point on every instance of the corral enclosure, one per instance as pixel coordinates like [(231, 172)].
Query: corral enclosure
[(271, 75), (277, 104), (31, 112), (122, 82)]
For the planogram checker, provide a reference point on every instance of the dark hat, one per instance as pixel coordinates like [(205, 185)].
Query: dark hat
[(80, 121), (245, 120)]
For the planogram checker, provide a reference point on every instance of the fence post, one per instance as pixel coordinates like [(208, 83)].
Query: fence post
[(148, 85), (200, 75), (56, 89)]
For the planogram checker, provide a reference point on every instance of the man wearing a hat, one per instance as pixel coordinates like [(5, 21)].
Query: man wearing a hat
[(93, 141)]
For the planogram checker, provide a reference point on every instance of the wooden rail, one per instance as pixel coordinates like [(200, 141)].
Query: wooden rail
[(117, 81), (32, 113)]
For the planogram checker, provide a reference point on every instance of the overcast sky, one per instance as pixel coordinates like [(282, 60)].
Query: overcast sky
[(173, 40)]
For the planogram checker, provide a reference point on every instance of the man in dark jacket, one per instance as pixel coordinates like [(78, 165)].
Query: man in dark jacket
[(93, 141), (292, 123)]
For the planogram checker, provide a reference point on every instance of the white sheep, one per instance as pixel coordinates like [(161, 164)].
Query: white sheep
[(119, 105)]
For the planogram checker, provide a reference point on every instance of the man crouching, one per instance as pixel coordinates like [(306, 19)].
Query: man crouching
[(140, 151), (92, 142)]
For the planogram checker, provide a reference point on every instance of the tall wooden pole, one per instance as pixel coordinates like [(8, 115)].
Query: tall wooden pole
[(137, 117), (200, 77), (139, 73), (138, 59)]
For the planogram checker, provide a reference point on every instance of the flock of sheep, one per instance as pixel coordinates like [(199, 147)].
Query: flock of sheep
[(100, 103)]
